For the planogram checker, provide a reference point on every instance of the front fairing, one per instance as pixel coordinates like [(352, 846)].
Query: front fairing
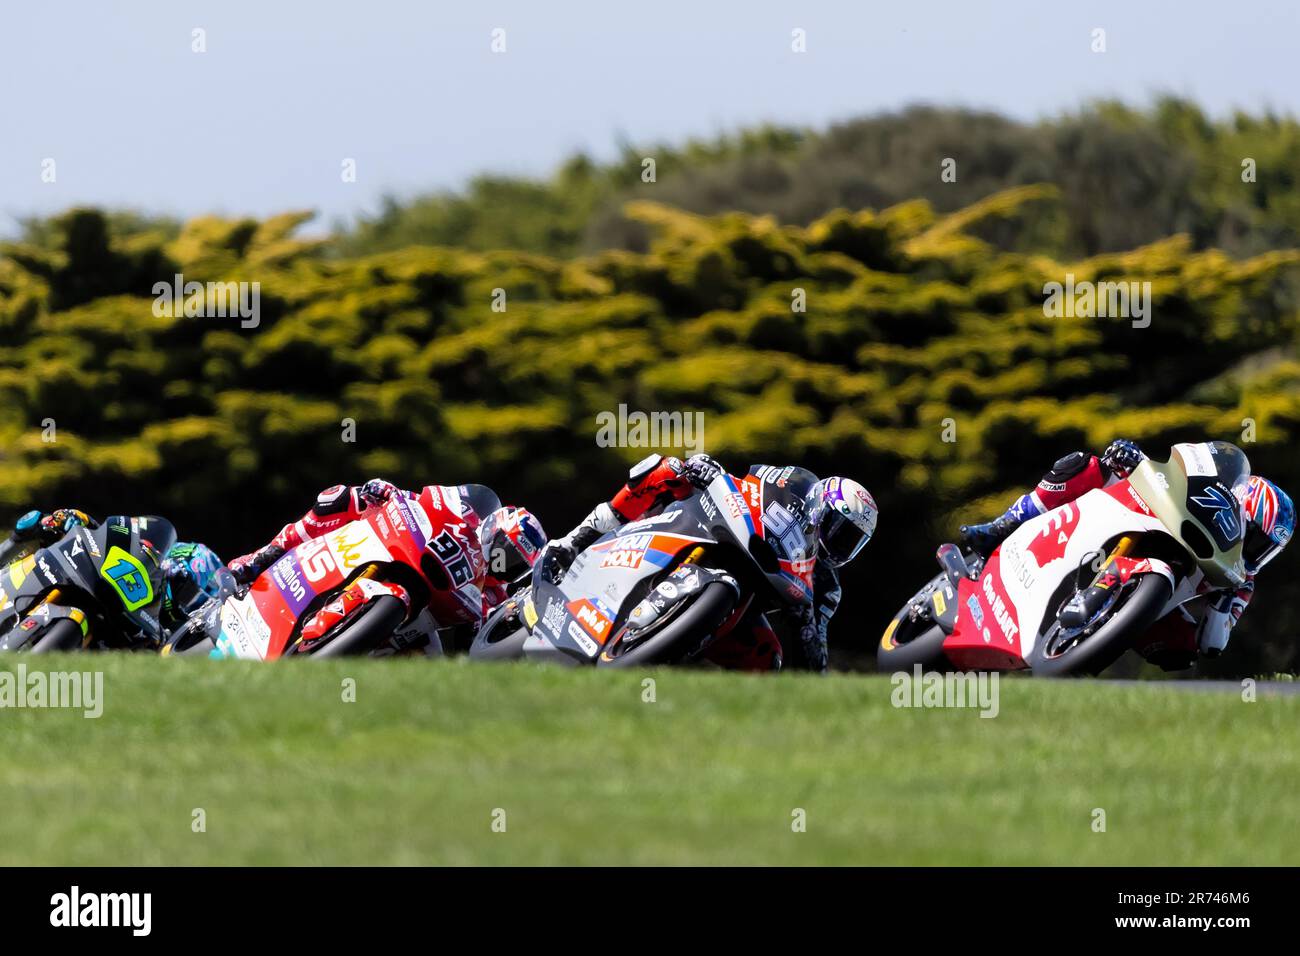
[(598, 592), (1195, 496)]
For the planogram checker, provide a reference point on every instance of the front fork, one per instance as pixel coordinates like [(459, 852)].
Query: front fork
[(1087, 602)]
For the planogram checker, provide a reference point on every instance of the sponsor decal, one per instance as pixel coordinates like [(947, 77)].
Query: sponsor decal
[(708, 506), (396, 516), (1137, 499), (976, 612), (626, 551), (286, 577), (593, 621), (1002, 613), (940, 605), (651, 522), (348, 545), (623, 558), (1051, 541), (315, 559), (554, 617), (1224, 508), (588, 646), (128, 577), (1021, 572), (1197, 460)]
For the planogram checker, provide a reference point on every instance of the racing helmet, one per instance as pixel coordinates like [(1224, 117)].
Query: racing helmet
[(1270, 522), (511, 539), (842, 514)]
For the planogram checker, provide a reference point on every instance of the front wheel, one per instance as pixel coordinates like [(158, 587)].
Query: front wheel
[(367, 630), (912, 639), (683, 638), (502, 636), (1058, 654)]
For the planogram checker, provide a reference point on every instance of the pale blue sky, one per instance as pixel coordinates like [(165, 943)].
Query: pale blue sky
[(261, 122)]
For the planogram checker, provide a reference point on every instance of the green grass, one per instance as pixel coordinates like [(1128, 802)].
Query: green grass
[(588, 773)]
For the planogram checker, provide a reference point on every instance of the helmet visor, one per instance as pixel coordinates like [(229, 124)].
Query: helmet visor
[(1259, 548), (841, 539)]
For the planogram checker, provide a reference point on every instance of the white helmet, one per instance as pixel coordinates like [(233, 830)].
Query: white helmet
[(844, 516)]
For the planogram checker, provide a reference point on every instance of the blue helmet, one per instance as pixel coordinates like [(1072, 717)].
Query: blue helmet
[(194, 575), (1270, 522)]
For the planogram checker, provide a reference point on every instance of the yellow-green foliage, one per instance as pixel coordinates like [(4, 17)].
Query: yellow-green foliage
[(914, 330)]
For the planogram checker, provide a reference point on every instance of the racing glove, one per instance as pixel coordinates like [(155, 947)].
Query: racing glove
[(1222, 611), (376, 491), (700, 470)]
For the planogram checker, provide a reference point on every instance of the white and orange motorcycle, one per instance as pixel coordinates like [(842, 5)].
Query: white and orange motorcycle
[(1071, 590)]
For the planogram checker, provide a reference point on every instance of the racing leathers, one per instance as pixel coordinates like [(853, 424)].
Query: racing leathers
[(746, 643)]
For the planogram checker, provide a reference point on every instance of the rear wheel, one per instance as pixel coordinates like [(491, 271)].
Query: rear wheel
[(63, 635), (1057, 653), (683, 638), (367, 630)]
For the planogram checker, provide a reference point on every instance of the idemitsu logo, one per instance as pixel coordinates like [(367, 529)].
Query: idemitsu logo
[(74, 909)]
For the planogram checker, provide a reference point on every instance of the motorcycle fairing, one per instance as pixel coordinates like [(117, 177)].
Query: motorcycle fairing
[(773, 511), (999, 616), (260, 623), (593, 600)]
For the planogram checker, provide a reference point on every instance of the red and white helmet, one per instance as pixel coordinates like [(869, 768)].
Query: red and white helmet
[(511, 539)]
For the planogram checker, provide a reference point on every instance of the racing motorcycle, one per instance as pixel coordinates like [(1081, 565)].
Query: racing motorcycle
[(1072, 589), (395, 575), (90, 589), (662, 589)]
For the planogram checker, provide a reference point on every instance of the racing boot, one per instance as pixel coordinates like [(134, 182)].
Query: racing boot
[(247, 568), (984, 538)]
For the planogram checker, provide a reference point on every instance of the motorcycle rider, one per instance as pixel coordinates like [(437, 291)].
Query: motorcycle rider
[(191, 572), (1174, 641), (1068, 479), (840, 510), (509, 538)]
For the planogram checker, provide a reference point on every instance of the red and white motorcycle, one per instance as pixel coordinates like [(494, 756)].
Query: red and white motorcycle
[(1071, 590), (396, 575)]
